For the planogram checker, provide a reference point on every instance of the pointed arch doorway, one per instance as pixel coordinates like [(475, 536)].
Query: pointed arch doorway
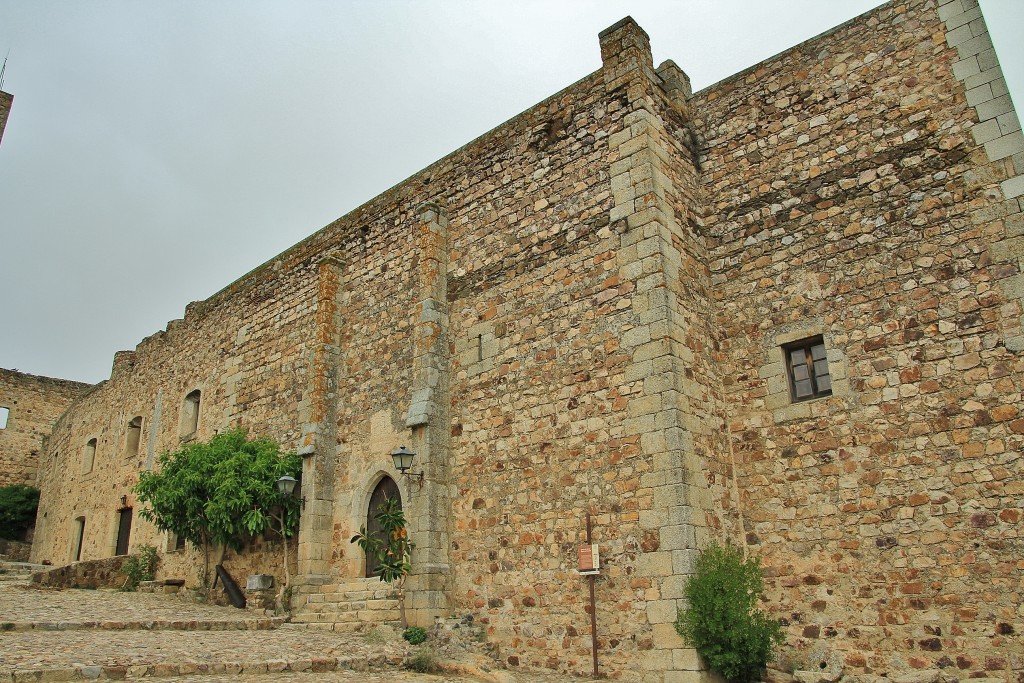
[(386, 488)]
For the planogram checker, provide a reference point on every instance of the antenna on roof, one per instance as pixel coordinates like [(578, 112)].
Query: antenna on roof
[(4, 68)]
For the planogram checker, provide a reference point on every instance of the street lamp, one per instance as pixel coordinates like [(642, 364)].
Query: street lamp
[(402, 458), (286, 487)]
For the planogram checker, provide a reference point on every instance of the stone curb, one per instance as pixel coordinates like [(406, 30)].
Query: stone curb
[(165, 669), (262, 624)]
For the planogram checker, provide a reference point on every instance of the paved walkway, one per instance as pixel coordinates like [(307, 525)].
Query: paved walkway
[(50, 635)]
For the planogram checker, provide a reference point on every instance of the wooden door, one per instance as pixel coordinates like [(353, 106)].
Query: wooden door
[(387, 488)]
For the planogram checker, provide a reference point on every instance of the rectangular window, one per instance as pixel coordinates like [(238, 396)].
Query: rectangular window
[(4, 415), (807, 366)]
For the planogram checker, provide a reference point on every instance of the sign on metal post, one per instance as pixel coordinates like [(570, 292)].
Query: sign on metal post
[(590, 566), (589, 560)]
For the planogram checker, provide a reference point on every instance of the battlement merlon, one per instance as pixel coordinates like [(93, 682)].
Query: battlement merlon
[(624, 40)]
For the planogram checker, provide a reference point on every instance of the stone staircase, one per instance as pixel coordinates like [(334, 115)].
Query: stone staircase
[(354, 605), (105, 634), (18, 572)]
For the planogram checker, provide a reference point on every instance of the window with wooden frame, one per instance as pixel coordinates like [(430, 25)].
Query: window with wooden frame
[(807, 366)]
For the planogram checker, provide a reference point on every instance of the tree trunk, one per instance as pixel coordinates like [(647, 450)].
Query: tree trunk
[(287, 575), (206, 563), (400, 586), (221, 549)]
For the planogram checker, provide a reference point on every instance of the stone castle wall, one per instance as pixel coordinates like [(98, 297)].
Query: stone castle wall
[(849, 197), (583, 311), (33, 403), (248, 373)]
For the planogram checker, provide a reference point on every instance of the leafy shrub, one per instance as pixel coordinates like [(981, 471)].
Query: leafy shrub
[(391, 550), (722, 622), (18, 504), (415, 635), (424, 662), (221, 492), (140, 567)]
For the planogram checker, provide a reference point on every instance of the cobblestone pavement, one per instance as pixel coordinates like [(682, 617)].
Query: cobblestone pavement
[(89, 608), (49, 635)]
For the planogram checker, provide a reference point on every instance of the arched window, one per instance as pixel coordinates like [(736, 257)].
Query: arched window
[(88, 456), (386, 488), (133, 437), (190, 413)]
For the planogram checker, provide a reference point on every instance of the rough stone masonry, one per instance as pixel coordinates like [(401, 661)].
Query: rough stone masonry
[(784, 311)]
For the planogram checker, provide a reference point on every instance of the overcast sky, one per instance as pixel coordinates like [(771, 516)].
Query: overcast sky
[(158, 151)]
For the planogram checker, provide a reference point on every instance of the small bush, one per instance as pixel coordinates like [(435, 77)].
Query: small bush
[(415, 635), (722, 622), (139, 567), (424, 662), (18, 504)]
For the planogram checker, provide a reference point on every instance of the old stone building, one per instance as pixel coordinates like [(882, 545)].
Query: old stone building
[(784, 311), (29, 407), (6, 100)]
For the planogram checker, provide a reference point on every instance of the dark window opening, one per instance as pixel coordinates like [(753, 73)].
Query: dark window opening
[(79, 536), (124, 531), (807, 366)]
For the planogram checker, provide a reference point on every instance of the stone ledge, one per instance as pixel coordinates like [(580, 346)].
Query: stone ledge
[(260, 624), (377, 662)]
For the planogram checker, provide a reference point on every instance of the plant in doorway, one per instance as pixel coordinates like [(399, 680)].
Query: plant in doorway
[(390, 550)]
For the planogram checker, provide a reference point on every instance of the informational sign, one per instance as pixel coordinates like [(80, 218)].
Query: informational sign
[(590, 561)]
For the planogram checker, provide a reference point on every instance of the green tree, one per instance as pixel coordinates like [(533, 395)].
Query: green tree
[(391, 550), (220, 493), (722, 622), (18, 505)]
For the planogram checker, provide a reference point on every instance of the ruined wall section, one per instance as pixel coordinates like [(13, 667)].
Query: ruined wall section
[(243, 350), (848, 197), (33, 405)]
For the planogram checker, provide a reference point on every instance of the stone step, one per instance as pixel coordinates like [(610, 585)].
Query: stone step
[(365, 615), (21, 570), (251, 624), (337, 627)]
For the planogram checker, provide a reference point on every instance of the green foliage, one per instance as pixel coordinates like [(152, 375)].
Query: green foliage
[(722, 622), (392, 552), (18, 504), (220, 492), (415, 635), (140, 567), (424, 662)]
